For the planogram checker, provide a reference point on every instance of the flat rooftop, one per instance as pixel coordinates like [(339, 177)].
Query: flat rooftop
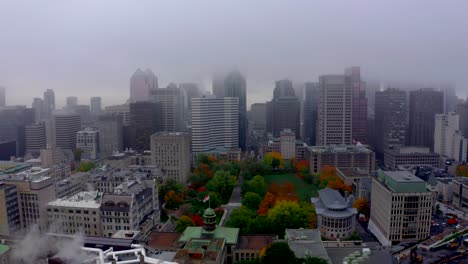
[(401, 181), (90, 200), (403, 176), (7, 167), (256, 242), (340, 149)]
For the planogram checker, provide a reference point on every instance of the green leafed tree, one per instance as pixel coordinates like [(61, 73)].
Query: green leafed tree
[(251, 201), (86, 166), (290, 214), (257, 185), (241, 218), (223, 184), (278, 253)]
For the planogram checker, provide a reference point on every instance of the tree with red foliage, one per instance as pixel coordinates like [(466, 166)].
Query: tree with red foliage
[(198, 220), (267, 203)]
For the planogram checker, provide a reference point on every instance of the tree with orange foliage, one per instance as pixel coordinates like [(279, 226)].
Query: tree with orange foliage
[(329, 178), (302, 168), (267, 203), (173, 199), (362, 206)]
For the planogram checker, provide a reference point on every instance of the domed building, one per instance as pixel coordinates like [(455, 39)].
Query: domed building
[(336, 218)]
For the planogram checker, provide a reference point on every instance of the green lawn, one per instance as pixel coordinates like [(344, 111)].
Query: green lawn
[(303, 190)]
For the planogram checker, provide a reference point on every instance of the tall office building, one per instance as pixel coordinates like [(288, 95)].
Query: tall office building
[(448, 139), (84, 111), (110, 134), (49, 103), (88, 141), (34, 190), (234, 85), (145, 120), (124, 112), (39, 109), (258, 116), (401, 208), (170, 151), (391, 115), (310, 112), (359, 102), (424, 105), (171, 101), (96, 107), (72, 103), (283, 111), (450, 98), (215, 123), (190, 90), (35, 136), (462, 111), (2, 96), (141, 83), (335, 111), (9, 210), (120, 110), (14, 119), (66, 127)]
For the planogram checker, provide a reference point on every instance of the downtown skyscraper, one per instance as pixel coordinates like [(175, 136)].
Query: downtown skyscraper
[(172, 105), (49, 103), (283, 111), (310, 112), (215, 123), (391, 115), (423, 107), (141, 83), (335, 111), (234, 85), (359, 104)]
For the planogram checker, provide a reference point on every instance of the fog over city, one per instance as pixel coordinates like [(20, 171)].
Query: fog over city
[(91, 48)]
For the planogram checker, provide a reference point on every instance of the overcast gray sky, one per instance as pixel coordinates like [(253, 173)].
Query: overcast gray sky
[(90, 48)]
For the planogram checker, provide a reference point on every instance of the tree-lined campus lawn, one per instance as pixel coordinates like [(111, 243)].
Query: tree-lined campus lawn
[(303, 190)]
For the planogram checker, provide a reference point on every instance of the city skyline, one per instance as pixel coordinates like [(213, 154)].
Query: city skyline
[(97, 58)]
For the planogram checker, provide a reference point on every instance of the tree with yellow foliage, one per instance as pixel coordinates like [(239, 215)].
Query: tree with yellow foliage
[(274, 160), (362, 206)]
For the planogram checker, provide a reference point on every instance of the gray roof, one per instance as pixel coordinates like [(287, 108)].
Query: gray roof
[(304, 242), (331, 204), (332, 199)]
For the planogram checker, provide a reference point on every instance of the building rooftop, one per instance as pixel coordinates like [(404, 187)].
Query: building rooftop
[(401, 181), (352, 173), (332, 204), (8, 167), (231, 235), (158, 240), (402, 176), (201, 251), (340, 149), (255, 242), (304, 242), (90, 200)]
